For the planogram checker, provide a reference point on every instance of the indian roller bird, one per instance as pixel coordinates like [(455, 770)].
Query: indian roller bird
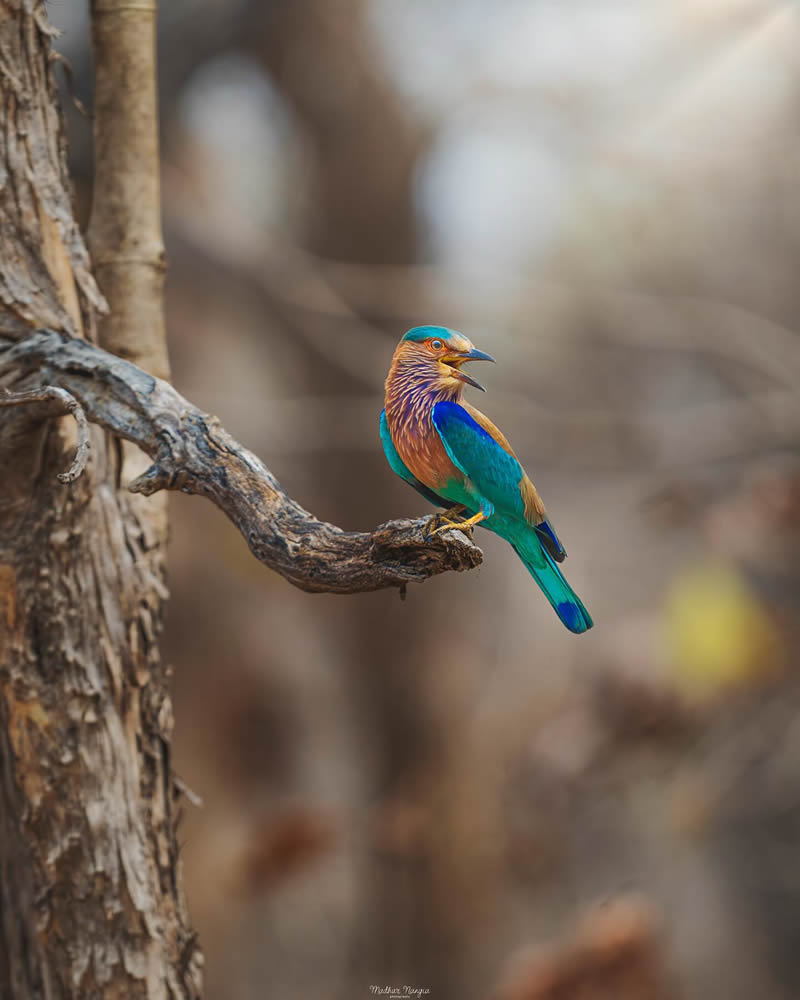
[(457, 459)]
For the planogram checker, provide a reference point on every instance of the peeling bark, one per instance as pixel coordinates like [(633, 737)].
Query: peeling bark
[(91, 904), (45, 271)]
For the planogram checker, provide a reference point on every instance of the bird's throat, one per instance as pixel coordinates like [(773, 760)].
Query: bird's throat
[(412, 391)]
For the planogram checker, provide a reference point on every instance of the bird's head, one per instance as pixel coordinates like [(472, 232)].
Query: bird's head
[(437, 354)]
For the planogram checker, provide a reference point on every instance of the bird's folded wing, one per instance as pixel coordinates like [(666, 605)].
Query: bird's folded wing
[(494, 472), (484, 456)]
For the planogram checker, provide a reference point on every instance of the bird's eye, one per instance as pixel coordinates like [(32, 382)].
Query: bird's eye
[(437, 345)]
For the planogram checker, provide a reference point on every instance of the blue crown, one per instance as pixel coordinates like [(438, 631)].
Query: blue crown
[(424, 332)]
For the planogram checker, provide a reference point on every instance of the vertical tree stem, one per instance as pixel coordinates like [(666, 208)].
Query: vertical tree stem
[(124, 235)]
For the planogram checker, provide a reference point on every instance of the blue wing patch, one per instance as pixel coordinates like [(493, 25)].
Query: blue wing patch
[(399, 467), (494, 474), (550, 540)]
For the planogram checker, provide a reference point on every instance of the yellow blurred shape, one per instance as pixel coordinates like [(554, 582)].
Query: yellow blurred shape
[(718, 632)]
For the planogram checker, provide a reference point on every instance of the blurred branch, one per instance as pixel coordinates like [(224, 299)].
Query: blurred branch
[(291, 287), (304, 292), (300, 286), (192, 453), (595, 439), (638, 319), (315, 297)]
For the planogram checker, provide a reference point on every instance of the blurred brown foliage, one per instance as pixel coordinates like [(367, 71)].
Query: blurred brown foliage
[(613, 955)]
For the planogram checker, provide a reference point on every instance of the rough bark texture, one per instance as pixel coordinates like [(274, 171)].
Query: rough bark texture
[(192, 453), (124, 234), (91, 904), (45, 276)]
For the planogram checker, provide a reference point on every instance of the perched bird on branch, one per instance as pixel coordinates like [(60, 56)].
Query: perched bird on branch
[(456, 458)]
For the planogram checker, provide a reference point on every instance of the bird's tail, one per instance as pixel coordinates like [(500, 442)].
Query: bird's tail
[(566, 603)]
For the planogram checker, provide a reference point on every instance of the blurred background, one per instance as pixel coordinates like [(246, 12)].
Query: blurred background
[(452, 792)]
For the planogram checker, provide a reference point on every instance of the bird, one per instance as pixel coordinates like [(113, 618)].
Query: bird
[(457, 459)]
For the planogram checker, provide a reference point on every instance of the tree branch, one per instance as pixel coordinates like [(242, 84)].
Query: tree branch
[(59, 402), (192, 453)]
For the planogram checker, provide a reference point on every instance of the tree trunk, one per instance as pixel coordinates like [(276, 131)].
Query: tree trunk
[(91, 904)]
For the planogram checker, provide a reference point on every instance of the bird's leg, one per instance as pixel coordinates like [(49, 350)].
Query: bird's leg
[(475, 519), (461, 525), (441, 519), (485, 512)]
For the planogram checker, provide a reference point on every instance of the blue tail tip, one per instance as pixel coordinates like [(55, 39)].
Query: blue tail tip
[(576, 618)]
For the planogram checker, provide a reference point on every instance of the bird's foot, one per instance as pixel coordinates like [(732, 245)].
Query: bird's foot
[(442, 520), (443, 524), (475, 519), (465, 526)]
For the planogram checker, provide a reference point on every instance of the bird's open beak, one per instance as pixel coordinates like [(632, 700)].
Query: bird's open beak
[(454, 361)]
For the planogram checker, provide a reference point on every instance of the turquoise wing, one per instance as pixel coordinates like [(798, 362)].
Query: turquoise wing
[(399, 467), (494, 474)]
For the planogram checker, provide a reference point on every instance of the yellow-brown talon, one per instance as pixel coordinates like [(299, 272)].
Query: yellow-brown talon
[(471, 521), (465, 526), (442, 519), (445, 526)]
